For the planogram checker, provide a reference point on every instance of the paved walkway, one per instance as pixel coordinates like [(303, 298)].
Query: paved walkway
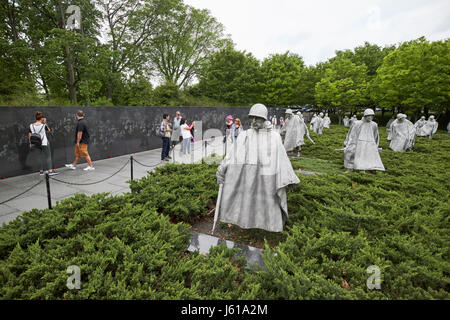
[(106, 169)]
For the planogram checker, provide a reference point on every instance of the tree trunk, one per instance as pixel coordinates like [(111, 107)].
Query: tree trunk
[(109, 93), (416, 115), (70, 76), (71, 83), (383, 110), (44, 85), (425, 110)]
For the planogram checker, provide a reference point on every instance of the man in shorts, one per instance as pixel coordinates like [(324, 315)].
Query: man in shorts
[(81, 143)]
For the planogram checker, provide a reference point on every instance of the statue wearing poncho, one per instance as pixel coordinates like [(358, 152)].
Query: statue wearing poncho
[(326, 121), (254, 175), (346, 122), (361, 145), (318, 124), (291, 132), (419, 124), (429, 128), (311, 123), (403, 134)]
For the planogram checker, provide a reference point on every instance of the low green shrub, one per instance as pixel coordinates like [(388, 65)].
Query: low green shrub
[(124, 251), (183, 192)]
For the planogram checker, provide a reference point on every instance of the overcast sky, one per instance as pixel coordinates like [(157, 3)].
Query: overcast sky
[(316, 28)]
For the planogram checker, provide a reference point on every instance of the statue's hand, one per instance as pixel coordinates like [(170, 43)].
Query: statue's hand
[(220, 174)]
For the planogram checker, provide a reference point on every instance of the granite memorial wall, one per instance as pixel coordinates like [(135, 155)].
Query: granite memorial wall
[(114, 131)]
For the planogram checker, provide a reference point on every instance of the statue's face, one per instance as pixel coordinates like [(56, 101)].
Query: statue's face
[(400, 119), (368, 118), (257, 122), (288, 115)]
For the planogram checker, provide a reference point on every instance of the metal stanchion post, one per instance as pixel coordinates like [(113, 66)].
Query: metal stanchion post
[(225, 146), (47, 182), (206, 150), (131, 165)]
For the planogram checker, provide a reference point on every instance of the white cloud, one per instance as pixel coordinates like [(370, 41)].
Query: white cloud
[(315, 29)]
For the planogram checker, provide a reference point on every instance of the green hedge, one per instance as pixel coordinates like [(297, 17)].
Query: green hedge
[(123, 251)]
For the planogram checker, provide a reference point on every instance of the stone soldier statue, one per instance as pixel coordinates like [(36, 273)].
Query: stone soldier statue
[(352, 120), (346, 122), (403, 134), (303, 131), (361, 145), (311, 123), (318, 124), (429, 128), (326, 121), (419, 124), (290, 133), (253, 178)]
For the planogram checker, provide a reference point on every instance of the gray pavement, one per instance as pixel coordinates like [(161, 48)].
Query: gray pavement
[(68, 182)]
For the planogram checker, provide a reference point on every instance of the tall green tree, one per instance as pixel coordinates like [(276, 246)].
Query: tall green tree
[(281, 78), (309, 77), (343, 88), (130, 24), (231, 76), (186, 36), (16, 75), (415, 76), (55, 51)]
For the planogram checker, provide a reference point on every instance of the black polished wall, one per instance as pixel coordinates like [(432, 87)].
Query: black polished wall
[(114, 131)]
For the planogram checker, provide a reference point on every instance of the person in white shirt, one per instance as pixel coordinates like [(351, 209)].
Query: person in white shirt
[(187, 136), (44, 153), (274, 121)]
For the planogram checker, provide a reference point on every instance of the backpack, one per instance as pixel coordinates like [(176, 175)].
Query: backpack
[(159, 132), (35, 138)]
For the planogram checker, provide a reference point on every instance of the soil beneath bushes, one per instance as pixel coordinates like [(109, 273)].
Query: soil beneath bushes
[(251, 237)]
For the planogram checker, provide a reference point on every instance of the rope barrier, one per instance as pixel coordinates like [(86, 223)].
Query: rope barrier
[(21, 193), (90, 183), (146, 165)]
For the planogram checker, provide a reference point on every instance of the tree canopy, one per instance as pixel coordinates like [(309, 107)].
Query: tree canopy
[(150, 52)]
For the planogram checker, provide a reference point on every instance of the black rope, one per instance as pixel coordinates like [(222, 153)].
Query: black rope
[(146, 165), (21, 193), (90, 183)]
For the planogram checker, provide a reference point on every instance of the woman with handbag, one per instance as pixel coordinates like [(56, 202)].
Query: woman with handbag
[(37, 137)]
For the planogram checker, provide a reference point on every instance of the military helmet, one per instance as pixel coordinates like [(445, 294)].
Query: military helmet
[(369, 112), (288, 111), (258, 110)]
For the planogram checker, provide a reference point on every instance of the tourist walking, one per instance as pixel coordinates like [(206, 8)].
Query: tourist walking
[(81, 143), (40, 144)]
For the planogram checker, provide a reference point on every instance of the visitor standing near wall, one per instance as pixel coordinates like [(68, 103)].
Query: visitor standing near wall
[(187, 136), (81, 143), (176, 134), (43, 151), (228, 124), (236, 129), (166, 130), (274, 121)]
